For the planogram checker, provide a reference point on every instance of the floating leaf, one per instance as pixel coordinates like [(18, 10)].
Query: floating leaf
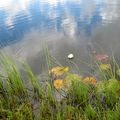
[(105, 66), (58, 84), (57, 71), (90, 80)]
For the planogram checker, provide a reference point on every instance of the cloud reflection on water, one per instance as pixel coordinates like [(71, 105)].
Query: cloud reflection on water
[(71, 17), (65, 25)]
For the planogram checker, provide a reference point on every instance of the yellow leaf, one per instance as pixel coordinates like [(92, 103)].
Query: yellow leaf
[(58, 84), (90, 80), (57, 71), (105, 66)]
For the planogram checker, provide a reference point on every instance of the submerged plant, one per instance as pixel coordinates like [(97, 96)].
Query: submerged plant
[(102, 57)]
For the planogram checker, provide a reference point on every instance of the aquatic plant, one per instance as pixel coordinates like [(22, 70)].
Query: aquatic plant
[(63, 95), (105, 66), (102, 57)]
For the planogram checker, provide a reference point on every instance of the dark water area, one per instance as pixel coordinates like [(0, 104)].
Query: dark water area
[(65, 26)]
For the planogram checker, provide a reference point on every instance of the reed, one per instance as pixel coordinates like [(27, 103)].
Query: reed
[(62, 96)]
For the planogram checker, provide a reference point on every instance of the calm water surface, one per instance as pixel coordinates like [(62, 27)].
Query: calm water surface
[(66, 26)]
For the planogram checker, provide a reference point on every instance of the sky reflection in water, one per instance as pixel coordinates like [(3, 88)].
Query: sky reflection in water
[(71, 17)]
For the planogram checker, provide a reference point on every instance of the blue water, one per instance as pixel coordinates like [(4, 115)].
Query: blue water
[(18, 17), (66, 26)]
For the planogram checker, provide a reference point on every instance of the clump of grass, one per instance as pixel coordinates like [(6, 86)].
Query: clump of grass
[(62, 96)]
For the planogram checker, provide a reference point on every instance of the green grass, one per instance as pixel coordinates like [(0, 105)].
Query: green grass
[(28, 98)]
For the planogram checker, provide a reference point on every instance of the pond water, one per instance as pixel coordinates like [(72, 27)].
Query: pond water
[(65, 26)]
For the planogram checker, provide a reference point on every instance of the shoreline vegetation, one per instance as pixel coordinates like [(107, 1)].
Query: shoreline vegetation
[(63, 95)]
